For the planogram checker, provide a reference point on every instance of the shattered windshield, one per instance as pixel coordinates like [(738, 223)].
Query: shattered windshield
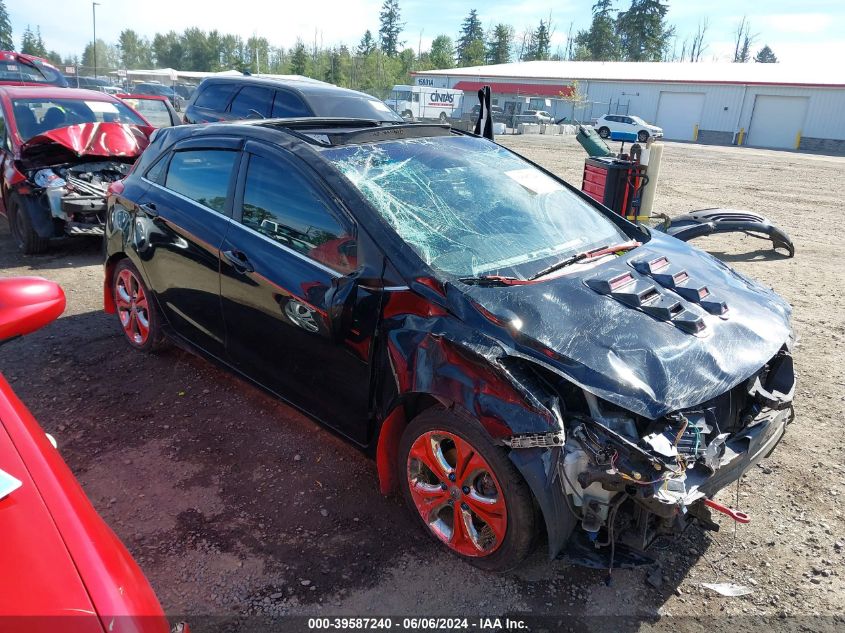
[(469, 207)]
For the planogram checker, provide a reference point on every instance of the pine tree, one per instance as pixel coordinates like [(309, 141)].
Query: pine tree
[(367, 44), (7, 43), (542, 41), (499, 44), (390, 28), (601, 41), (468, 51), (299, 59), (643, 31), (28, 43), (765, 56)]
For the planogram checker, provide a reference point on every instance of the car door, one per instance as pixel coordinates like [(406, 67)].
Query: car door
[(182, 219), (289, 258)]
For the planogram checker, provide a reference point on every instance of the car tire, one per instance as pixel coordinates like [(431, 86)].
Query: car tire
[(136, 309), (408, 116), (500, 523), (604, 132), (20, 226), (642, 136), (442, 117)]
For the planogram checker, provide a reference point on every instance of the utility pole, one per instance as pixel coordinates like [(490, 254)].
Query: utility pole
[(94, 14)]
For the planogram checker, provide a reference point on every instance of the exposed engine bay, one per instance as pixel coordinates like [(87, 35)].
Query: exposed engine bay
[(76, 194), (628, 480)]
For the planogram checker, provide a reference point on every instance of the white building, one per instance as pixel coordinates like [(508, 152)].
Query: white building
[(762, 105)]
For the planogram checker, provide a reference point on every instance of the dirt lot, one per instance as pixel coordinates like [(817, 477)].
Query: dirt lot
[(235, 505)]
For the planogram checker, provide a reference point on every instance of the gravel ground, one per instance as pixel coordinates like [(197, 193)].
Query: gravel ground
[(235, 505)]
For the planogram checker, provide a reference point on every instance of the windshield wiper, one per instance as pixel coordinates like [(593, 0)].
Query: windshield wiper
[(492, 280), (579, 257)]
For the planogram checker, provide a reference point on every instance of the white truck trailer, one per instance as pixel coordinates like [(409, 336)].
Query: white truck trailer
[(426, 103)]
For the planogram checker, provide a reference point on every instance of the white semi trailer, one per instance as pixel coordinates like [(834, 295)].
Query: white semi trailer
[(426, 103)]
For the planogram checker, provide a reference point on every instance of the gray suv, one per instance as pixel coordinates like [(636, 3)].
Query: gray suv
[(247, 97)]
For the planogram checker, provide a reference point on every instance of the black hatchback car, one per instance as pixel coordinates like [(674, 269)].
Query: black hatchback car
[(513, 354), (247, 97)]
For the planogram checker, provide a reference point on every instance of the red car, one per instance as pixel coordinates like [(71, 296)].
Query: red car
[(21, 69), (63, 148), (63, 568), (154, 108)]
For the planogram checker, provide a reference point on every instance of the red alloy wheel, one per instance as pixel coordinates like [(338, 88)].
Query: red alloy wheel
[(456, 493), (132, 307)]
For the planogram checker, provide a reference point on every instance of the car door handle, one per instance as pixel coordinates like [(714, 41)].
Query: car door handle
[(239, 261), (149, 208)]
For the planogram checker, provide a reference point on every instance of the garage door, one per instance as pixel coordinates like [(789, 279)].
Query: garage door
[(776, 121), (678, 113)]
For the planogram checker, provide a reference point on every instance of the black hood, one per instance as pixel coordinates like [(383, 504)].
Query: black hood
[(705, 330)]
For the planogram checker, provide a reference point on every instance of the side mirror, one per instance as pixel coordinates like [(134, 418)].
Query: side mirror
[(28, 304), (339, 300)]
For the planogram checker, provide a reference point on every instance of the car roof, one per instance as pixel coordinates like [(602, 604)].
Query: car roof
[(305, 86), (54, 92), (316, 131), (130, 95)]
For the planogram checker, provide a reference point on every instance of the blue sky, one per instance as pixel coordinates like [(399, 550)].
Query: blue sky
[(799, 33)]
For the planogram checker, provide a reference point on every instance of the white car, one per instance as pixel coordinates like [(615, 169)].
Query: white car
[(535, 116), (609, 123)]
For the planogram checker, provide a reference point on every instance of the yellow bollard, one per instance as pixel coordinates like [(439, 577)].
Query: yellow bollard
[(741, 136), (695, 132), (798, 140)]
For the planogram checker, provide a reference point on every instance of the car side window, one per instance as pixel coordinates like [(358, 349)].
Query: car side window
[(216, 96), (282, 204), (286, 104), (158, 171), (202, 175), (252, 101)]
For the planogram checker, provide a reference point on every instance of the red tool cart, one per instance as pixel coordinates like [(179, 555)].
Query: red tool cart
[(615, 183)]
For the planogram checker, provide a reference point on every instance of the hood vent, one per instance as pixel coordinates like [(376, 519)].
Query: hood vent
[(643, 295), (678, 280)]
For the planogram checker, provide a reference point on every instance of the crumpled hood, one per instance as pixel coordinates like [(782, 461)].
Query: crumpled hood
[(650, 363), (107, 140)]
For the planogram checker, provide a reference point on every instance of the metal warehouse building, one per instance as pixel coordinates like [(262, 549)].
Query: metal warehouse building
[(761, 105)]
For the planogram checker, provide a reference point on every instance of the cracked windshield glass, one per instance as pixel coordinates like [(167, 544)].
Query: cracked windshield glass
[(470, 208)]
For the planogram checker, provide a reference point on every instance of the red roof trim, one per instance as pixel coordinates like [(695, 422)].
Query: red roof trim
[(528, 90)]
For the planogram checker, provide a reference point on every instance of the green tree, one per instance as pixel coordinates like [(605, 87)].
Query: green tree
[(543, 40), (258, 54), (390, 27), (743, 40), (601, 41), (195, 52), (231, 54), (54, 58), (7, 43), (442, 53), (499, 44), (468, 51), (765, 56), (367, 44), (299, 59), (643, 31), (167, 49), (337, 70), (32, 42), (135, 51), (107, 56)]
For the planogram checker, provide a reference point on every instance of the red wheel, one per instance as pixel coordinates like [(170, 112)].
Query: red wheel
[(466, 490), (456, 493), (135, 308)]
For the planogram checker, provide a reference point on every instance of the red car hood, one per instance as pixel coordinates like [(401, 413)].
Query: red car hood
[(107, 140)]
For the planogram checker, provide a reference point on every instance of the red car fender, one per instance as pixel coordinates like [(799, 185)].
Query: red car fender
[(121, 595)]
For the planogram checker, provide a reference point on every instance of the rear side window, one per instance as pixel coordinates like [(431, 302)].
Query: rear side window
[(252, 101), (287, 104), (202, 175), (215, 96), (283, 205)]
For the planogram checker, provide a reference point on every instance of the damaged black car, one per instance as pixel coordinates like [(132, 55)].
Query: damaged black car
[(516, 357), (61, 149)]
